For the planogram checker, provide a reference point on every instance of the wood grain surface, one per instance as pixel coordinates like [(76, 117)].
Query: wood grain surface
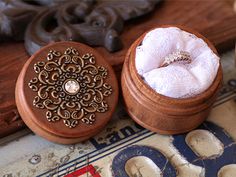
[(213, 18)]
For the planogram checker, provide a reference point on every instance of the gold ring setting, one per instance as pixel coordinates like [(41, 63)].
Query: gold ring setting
[(179, 55)]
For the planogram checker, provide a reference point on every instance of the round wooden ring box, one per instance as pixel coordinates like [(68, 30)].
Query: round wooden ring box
[(66, 92), (160, 113)]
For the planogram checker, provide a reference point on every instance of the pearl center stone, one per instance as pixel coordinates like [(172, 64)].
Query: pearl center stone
[(72, 86)]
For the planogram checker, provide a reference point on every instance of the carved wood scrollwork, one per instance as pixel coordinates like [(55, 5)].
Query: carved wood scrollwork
[(96, 23)]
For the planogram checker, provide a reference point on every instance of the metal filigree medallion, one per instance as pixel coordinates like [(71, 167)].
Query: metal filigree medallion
[(70, 87)]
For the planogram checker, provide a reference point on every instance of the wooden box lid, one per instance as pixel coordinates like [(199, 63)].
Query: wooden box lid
[(66, 92)]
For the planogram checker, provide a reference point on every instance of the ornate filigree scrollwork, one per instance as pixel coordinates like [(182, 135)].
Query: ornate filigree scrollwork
[(70, 87), (94, 22)]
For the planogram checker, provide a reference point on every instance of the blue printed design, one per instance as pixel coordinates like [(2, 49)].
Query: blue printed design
[(213, 165), (119, 161)]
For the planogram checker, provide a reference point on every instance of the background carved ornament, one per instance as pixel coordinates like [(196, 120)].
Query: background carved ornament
[(93, 22)]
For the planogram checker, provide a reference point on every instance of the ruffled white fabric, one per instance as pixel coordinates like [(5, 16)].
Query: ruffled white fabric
[(177, 80)]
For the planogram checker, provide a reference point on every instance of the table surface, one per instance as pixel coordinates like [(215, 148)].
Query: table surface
[(26, 154)]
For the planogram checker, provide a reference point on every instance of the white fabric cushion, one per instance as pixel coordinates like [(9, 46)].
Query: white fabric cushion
[(177, 80)]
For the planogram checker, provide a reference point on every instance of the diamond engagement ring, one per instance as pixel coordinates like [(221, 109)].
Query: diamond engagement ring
[(177, 56)]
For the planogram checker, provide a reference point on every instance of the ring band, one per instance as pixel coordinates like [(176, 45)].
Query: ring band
[(177, 56)]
